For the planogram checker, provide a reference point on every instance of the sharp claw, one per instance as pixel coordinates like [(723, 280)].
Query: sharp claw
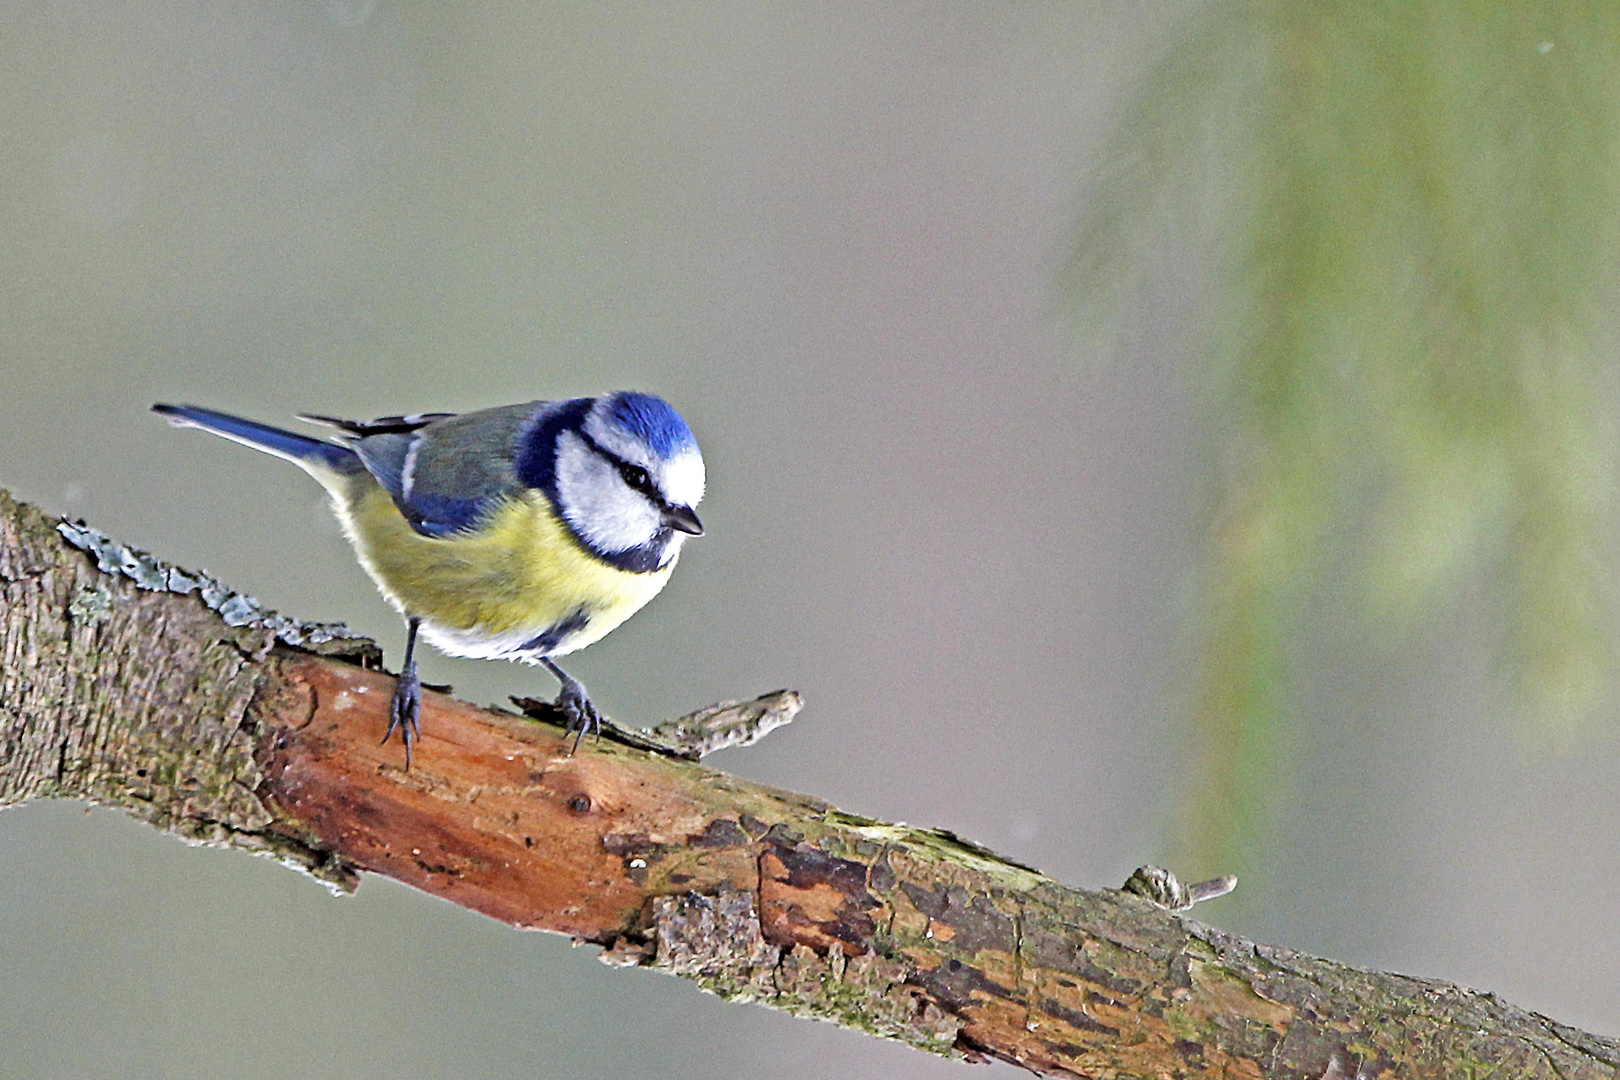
[(405, 711), (405, 708), (575, 704), (581, 712)]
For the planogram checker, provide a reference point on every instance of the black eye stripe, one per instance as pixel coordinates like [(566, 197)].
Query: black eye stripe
[(638, 478)]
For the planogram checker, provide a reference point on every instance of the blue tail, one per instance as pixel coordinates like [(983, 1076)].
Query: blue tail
[(313, 455)]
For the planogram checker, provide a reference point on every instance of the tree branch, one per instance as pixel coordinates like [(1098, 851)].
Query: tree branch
[(135, 685)]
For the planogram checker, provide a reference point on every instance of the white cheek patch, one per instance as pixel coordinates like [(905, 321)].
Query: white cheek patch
[(681, 479), (596, 501)]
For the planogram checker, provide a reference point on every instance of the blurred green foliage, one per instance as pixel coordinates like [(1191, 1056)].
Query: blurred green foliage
[(1407, 213)]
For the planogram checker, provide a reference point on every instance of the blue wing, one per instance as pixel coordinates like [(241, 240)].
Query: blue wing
[(446, 471)]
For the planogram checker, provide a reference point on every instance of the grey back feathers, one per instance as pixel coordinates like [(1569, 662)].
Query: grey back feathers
[(449, 473)]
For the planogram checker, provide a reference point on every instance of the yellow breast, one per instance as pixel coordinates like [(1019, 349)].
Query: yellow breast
[(482, 593)]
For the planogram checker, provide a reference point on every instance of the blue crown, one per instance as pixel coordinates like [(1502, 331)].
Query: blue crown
[(653, 421)]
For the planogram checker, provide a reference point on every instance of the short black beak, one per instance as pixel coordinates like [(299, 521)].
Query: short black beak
[(682, 518)]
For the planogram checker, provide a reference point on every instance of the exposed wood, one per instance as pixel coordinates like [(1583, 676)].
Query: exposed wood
[(144, 698)]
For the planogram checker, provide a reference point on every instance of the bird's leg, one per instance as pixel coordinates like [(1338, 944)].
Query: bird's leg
[(575, 704), (405, 710)]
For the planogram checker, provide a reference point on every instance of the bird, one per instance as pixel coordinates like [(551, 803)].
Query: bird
[(520, 532)]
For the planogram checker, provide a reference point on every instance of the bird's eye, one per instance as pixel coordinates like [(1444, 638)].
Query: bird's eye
[(636, 477)]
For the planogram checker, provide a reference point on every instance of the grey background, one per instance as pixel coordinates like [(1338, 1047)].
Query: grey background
[(830, 234)]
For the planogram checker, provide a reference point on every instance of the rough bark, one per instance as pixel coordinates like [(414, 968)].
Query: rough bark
[(135, 685)]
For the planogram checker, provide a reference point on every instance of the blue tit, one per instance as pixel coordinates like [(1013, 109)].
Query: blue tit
[(522, 532)]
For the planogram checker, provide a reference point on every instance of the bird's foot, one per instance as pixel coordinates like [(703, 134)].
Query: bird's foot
[(405, 710), (578, 711)]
